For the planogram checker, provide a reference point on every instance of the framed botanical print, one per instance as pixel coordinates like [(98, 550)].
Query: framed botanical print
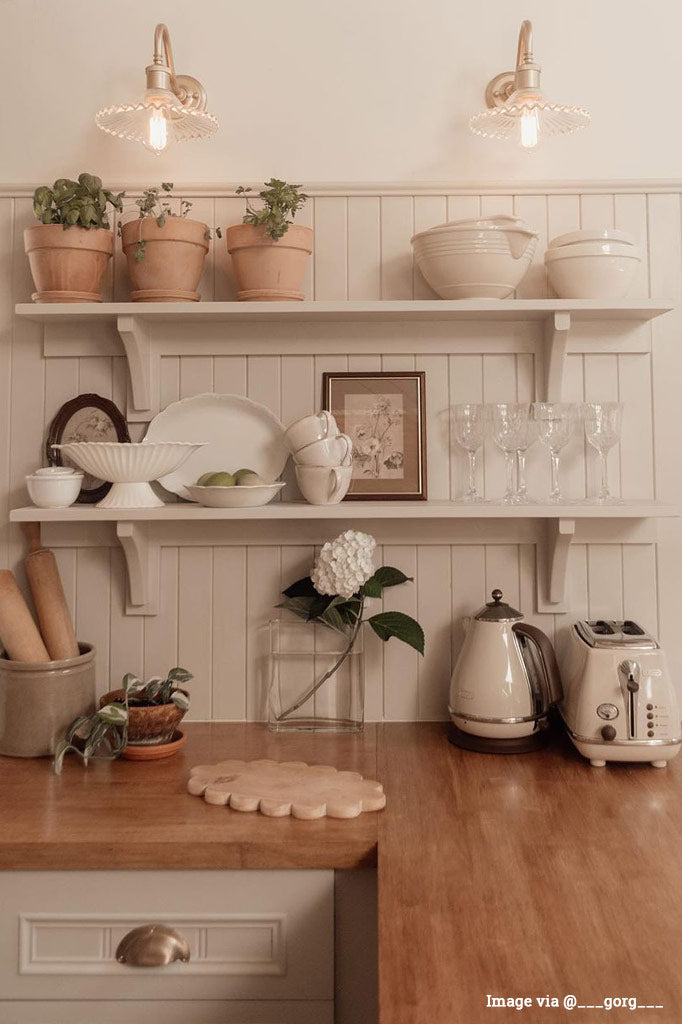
[(384, 415)]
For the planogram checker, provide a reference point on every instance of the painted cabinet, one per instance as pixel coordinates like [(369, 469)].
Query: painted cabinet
[(261, 947)]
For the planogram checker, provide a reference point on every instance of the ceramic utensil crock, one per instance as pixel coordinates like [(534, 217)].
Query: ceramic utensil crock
[(39, 701)]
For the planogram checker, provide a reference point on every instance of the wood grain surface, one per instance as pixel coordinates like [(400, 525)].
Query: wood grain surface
[(528, 875), (139, 815)]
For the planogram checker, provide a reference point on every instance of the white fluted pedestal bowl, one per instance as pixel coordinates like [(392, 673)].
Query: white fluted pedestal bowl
[(129, 467)]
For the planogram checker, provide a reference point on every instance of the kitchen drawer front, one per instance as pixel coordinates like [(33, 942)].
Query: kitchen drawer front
[(163, 1012), (251, 934)]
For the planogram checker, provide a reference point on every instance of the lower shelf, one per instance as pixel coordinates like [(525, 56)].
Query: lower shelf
[(142, 532)]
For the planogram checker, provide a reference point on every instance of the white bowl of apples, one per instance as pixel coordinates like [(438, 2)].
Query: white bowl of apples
[(243, 489)]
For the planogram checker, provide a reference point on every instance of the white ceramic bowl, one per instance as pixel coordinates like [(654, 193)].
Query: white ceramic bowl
[(587, 271), (54, 486), (248, 496), (592, 235), (129, 467), (485, 258)]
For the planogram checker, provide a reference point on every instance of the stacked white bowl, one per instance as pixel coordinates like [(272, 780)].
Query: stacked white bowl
[(482, 258), (323, 458), (595, 263)]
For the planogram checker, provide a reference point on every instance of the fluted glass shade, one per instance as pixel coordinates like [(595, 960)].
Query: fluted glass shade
[(156, 124), (526, 120)]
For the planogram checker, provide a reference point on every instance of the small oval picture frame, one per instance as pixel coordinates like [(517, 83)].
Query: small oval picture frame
[(86, 418)]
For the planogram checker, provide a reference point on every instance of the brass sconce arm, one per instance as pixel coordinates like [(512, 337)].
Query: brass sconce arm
[(161, 76), (526, 75)]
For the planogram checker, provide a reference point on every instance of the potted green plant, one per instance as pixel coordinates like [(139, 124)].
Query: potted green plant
[(69, 250), (269, 252), (165, 250), (139, 721)]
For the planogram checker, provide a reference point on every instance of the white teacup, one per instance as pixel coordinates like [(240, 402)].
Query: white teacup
[(332, 451), (324, 485), (310, 429)]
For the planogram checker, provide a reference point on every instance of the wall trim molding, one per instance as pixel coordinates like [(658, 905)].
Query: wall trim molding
[(223, 190)]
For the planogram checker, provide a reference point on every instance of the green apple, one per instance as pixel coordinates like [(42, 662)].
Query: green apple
[(241, 473), (220, 480), (203, 480), (250, 479)]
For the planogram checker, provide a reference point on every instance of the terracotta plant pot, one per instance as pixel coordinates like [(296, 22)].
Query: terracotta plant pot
[(151, 725), (68, 264), (173, 258), (268, 271)]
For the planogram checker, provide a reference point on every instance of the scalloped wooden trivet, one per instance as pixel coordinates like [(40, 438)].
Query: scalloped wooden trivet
[(279, 788)]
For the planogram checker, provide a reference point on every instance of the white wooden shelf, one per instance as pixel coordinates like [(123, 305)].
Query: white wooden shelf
[(140, 531), (148, 331)]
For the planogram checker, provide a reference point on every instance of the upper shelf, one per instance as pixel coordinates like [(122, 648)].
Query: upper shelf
[(388, 310), (149, 330)]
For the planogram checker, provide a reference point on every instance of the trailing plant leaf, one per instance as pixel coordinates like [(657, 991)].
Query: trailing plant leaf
[(180, 699), (180, 675), (110, 714), (402, 627)]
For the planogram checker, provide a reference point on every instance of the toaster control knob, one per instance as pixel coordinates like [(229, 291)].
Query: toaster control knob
[(608, 733)]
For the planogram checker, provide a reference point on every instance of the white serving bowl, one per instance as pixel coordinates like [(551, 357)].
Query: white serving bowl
[(54, 486), (239, 496), (593, 270), (592, 235), (129, 467), (485, 258)]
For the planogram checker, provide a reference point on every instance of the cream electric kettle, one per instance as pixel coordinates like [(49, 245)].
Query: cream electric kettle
[(505, 681)]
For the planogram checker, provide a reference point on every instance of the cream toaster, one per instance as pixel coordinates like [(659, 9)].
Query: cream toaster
[(619, 703)]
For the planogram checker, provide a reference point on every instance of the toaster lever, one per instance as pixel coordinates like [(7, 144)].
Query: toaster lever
[(631, 671)]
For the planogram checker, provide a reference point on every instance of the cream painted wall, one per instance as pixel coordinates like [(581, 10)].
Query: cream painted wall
[(313, 90)]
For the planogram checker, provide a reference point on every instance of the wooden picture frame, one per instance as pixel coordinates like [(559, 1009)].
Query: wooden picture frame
[(384, 414), (86, 418)]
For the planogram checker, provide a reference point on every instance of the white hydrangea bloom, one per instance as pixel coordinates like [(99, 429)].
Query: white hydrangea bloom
[(344, 564)]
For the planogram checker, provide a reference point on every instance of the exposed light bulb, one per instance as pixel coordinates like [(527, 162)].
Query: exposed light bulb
[(157, 132), (529, 129)]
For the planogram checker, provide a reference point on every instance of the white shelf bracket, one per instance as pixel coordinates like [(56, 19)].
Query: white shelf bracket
[(552, 564), (557, 328), (135, 336), (143, 564)]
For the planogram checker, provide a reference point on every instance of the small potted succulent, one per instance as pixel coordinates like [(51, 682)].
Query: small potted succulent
[(70, 249), (139, 721), (269, 252), (165, 250)]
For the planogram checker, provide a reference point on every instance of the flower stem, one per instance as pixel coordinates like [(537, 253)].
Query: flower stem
[(312, 690)]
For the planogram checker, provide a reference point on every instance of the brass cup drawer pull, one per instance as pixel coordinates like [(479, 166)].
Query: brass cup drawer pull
[(152, 945)]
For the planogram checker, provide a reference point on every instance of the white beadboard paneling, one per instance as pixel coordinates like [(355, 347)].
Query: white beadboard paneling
[(364, 242), (228, 624), (433, 609), (214, 602), (331, 252), (195, 611)]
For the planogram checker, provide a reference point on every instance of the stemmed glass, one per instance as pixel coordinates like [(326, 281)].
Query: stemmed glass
[(512, 431), (556, 423), (470, 423), (602, 431)]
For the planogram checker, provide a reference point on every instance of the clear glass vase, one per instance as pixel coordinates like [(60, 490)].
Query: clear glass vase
[(316, 679)]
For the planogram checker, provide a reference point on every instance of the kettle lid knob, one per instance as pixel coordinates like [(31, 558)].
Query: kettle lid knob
[(496, 596), (497, 610)]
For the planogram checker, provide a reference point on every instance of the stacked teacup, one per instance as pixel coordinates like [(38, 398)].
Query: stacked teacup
[(323, 458)]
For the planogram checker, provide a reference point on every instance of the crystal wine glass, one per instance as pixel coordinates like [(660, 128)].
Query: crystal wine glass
[(470, 423), (602, 431), (512, 433), (556, 423)]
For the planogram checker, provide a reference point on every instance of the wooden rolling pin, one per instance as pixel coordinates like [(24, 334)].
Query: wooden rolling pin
[(48, 597), (18, 631)]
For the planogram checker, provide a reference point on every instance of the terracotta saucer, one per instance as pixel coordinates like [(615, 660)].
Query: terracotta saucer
[(154, 752)]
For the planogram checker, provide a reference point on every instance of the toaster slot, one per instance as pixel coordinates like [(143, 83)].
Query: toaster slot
[(632, 629)]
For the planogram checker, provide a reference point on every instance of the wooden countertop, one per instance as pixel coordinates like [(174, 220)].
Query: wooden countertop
[(530, 875)]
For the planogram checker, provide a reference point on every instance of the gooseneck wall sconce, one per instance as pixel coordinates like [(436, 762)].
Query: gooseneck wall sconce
[(517, 109), (173, 108)]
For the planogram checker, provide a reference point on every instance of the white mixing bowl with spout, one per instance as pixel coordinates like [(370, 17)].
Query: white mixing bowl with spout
[(485, 258)]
